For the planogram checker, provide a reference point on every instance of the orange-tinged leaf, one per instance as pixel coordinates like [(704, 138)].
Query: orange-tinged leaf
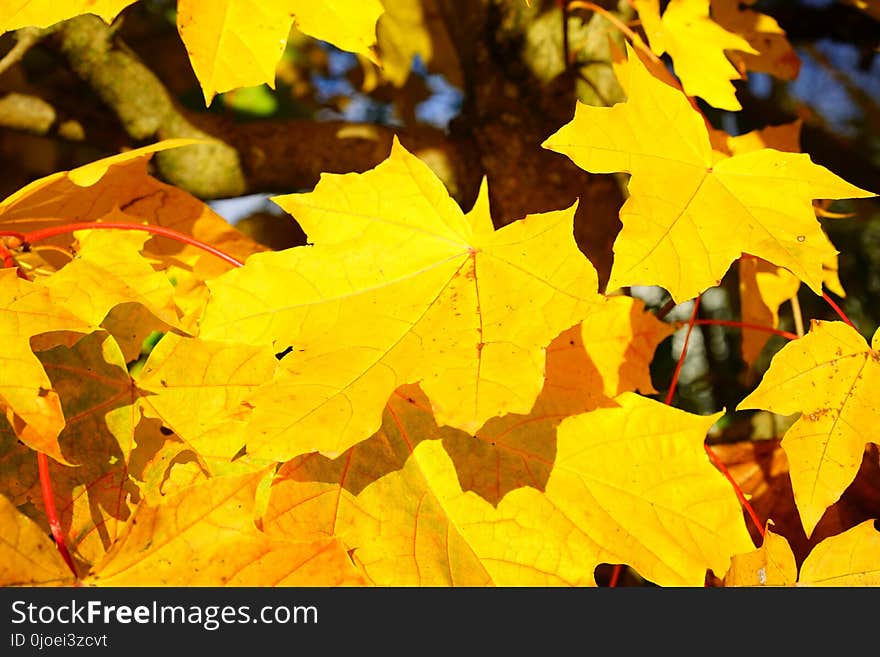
[(124, 184), (831, 377), (696, 44), (604, 502), (31, 405), (432, 296), (198, 389), (56, 200), (28, 557), (88, 174), (772, 564), (93, 497), (621, 339), (43, 13), (847, 559), (238, 43), (784, 137), (691, 211), (774, 54), (205, 535), (504, 454), (519, 449), (314, 494)]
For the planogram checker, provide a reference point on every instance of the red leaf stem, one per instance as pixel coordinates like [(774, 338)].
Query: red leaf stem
[(52, 231), (687, 337), (739, 492), (747, 325), (837, 309), (51, 512)]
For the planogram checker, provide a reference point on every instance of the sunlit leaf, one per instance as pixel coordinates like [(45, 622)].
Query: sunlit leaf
[(433, 296), (691, 211), (830, 376)]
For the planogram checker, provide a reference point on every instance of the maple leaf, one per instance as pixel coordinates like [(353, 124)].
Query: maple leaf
[(204, 535), (604, 502), (43, 13), (432, 295), (772, 564), (846, 559), (410, 28), (763, 288), (773, 53), (238, 43), (621, 340), (507, 452), (830, 376), (118, 188), (696, 44), (215, 378), (100, 404), (108, 270), (32, 407), (27, 556), (692, 212)]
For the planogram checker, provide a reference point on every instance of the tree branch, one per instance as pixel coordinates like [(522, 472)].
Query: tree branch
[(264, 156)]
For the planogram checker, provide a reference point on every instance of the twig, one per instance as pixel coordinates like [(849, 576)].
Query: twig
[(26, 38), (798, 316), (687, 336), (620, 25)]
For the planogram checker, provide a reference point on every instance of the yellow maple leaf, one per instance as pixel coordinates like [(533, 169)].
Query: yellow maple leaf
[(847, 559), (185, 374), (118, 188), (402, 34), (401, 508), (696, 44), (204, 535), (691, 211), (830, 376), (28, 557), (621, 340), (763, 288), (238, 43), (400, 286), (89, 174), (108, 269), (772, 564), (43, 13), (31, 405)]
